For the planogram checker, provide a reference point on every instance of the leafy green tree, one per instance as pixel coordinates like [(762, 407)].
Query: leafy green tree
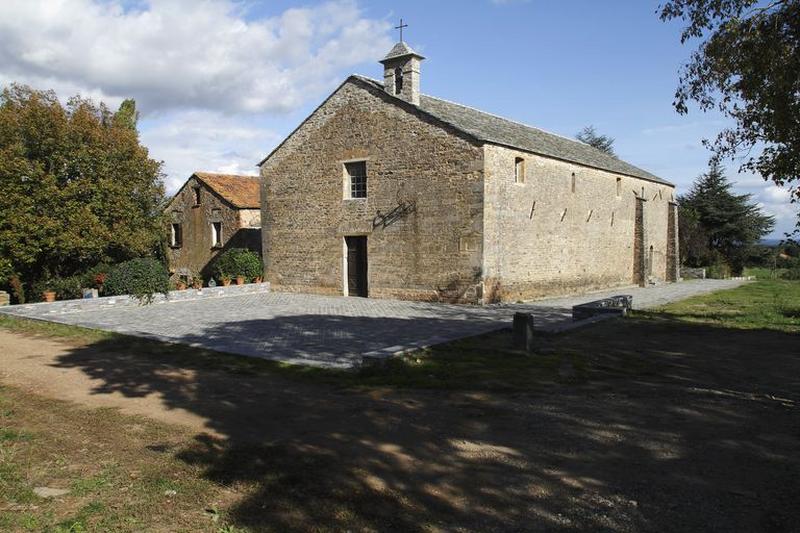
[(590, 136), (747, 66), (722, 225), (78, 188), (126, 116)]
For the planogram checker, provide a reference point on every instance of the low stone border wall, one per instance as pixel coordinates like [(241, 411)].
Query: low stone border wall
[(615, 305), (693, 273), (75, 306)]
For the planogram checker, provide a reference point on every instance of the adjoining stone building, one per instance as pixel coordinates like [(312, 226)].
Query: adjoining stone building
[(211, 213), (386, 192)]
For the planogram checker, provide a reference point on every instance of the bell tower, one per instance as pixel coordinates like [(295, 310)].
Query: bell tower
[(401, 72)]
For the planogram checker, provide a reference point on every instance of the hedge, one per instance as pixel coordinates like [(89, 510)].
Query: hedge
[(141, 278)]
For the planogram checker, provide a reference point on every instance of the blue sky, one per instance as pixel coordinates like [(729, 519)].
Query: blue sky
[(220, 83)]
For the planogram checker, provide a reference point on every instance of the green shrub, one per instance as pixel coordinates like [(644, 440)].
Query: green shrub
[(68, 288), (238, 262), (792, 274), (39, 287), (95, 277), (141, 278), (718, 271)]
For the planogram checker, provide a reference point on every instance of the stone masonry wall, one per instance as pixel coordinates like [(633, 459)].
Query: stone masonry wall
[(196, 253), (542, 239), (431, 250)]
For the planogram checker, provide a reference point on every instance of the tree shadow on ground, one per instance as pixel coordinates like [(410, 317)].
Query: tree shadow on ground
[(679, 427)]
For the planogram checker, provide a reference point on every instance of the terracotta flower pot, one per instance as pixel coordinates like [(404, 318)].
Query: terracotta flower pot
[(258, 279), (240, 280), (226, 282), (49, 296), (181, 286)]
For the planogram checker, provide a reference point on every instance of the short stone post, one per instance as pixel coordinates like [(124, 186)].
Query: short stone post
[(523, 332), (4, 298)]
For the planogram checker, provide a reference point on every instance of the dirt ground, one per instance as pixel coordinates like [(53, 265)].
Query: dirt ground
[(699, 441)]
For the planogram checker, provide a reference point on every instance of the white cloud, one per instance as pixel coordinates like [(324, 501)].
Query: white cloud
[(206, 75), (776, 201), (206, 140), (185, 54), (776, 194)]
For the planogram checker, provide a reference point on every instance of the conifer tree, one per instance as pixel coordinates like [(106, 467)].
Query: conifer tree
[(718, 224)]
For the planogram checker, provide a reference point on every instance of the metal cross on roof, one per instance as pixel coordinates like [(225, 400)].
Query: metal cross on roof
[(400, 27)]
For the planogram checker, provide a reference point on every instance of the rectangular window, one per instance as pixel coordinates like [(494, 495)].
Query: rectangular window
[(357, 179), (519, 170), (619, 187), (216, 234), (176, 236), (196, 195)]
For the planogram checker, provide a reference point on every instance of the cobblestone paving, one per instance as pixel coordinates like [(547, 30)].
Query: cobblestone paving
[(336, 331)]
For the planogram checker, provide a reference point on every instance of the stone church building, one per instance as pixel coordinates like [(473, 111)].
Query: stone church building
[(211, 213), (386, 192)]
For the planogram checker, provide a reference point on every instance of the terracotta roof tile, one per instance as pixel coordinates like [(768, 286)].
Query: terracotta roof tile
[(243, 192)]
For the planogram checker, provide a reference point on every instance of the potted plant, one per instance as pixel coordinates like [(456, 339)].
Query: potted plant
[(226, 280), (99, 280), (180, 284), (258, 279), (197, 282), (46, 287), (239, 263)]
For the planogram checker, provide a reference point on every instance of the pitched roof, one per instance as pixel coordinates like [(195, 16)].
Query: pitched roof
[(243, 192), (399, 50), (492, 129)]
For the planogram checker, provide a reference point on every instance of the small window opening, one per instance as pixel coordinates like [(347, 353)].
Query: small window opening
[(533, 208), (216, 234), (612, 218), (176, 236), (619, 187), (519, 170), (563, 214), (642, 193), (357, 173), (573, 182), (398, 80), (196, 195), (589, 215)]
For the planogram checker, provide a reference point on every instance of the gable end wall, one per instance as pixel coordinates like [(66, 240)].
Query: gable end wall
[(432, 252)]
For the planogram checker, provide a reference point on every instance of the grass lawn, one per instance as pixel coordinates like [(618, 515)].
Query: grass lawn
[(125, 473), (773, 305), (762, 273)]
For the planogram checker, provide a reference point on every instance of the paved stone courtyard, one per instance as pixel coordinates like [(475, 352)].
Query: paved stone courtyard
[(334, 331)]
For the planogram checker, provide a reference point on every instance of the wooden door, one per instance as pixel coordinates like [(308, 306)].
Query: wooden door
[(357, 266)]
